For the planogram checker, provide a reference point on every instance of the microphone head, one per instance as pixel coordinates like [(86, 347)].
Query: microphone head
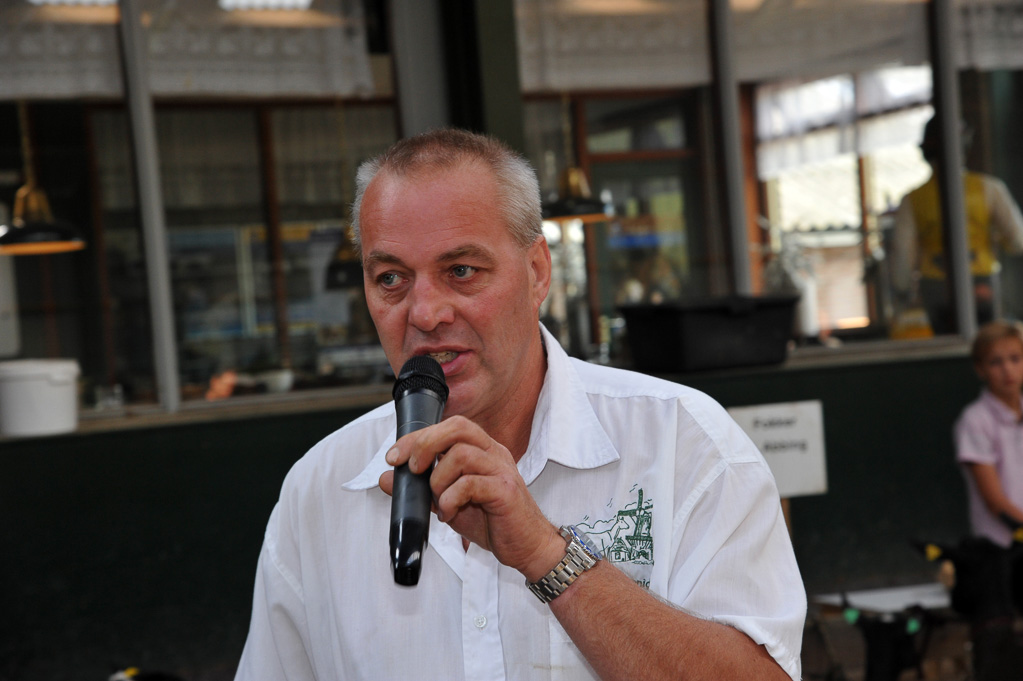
[(418, 373)]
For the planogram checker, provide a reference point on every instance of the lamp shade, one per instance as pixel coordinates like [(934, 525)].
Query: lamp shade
[(39, 237), (574, 201), (574, 208), (33, 229)]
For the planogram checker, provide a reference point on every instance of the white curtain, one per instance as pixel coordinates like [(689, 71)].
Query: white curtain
[(195, 48), (990, 34), (800, 123), (598, 44), (608, 44)]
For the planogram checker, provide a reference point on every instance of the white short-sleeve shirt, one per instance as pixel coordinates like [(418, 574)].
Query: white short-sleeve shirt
[(658, 474), (988, 432)]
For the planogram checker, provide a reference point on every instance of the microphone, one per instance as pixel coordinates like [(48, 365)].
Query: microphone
[(419, 396)]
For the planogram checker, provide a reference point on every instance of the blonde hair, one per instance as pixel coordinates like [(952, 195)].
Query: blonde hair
[(991, 333)]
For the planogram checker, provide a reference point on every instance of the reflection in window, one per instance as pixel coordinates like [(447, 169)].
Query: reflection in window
[(818, 213), (655, 247), (634, 125), (836, 156), (235, 277)]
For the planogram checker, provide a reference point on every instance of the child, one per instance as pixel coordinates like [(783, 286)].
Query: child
[(989, 434), (989, 447)]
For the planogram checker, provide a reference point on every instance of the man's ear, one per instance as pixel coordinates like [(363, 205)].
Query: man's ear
[(540, 270)]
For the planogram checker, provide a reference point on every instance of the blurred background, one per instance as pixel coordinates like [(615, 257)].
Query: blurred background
[(199, 155)]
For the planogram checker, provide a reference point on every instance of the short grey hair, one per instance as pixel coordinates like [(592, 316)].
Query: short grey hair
[(517, 187)]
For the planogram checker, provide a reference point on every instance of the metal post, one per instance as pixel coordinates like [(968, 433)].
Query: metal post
[(729, 138), (154, 231), (950, 169), (418, 52)]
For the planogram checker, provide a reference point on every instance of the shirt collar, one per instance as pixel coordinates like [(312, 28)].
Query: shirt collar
[(1001, 411), (565, 428)]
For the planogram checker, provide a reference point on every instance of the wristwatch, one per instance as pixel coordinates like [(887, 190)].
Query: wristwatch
[(581, 554)]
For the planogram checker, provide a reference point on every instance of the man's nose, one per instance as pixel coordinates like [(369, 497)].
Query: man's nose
[(429, 306)]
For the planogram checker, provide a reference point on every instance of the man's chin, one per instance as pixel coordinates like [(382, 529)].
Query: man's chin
[(461, 402)]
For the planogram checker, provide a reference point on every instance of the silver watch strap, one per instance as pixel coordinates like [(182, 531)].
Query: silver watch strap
[(576, 561)]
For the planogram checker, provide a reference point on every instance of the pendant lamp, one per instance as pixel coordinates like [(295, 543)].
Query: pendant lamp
[(574, 200), (33, 229)]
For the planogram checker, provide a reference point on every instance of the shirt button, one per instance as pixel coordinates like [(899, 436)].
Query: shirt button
[(480, 621)]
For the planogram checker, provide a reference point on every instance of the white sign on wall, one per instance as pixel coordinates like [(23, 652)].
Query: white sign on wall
[(791, 437)]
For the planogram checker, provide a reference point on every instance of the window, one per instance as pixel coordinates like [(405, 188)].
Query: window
[(251, 247), (836, 156), (641, 156)]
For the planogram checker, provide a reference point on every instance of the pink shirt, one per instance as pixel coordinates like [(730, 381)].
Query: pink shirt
[(988, 432)]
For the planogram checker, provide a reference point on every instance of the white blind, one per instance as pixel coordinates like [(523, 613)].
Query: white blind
[(633, 44), (195, 48), (581, 44)]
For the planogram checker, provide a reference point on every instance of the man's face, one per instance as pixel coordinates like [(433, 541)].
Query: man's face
[(444, 277)]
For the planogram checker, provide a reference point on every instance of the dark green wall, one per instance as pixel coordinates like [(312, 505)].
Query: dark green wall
[(139, 547), (890, 463)]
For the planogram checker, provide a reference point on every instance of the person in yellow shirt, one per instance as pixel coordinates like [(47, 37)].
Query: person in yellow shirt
[(993, 224)]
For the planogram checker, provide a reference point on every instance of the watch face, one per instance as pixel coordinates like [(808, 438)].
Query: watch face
[(588, 544)]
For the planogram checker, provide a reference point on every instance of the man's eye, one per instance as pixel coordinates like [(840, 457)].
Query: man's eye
[(463, 271), (388, 279)]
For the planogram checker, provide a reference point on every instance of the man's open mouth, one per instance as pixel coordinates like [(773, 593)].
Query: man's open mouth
[(443, 357)]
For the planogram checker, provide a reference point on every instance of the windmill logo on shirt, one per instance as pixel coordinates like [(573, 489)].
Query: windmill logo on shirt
[(625, 538)]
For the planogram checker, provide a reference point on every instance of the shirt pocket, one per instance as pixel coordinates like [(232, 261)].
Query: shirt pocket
[(567, 663)]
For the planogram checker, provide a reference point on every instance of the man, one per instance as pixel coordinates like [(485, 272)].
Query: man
[(699, 581), (993, 224)]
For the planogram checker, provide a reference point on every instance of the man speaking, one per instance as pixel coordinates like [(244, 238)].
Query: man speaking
[(587, 522)]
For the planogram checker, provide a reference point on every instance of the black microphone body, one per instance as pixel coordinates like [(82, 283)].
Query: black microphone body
[(419, 397)]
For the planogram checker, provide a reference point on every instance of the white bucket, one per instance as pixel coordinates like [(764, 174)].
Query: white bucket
[(38, 396)]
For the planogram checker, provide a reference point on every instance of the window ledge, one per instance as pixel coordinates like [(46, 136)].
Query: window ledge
[(371, 396), (875, 352), (250, 406)]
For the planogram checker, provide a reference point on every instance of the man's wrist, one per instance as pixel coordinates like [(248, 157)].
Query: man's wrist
[(547, 558), (581, 554)]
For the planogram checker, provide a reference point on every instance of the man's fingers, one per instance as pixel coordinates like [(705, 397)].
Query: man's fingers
[(387, 482), (460, 460), (422, 447), (476, 489)]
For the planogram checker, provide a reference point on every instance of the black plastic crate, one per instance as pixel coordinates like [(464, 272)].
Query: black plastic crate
[(713, 333)]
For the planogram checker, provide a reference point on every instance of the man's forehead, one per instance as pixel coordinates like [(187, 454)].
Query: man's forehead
[(478, 252)]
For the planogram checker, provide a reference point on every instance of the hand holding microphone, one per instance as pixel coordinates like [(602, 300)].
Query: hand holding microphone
[(419, 396), (481, 494)]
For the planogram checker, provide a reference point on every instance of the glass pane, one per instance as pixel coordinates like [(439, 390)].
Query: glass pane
[(211, 180), (634, 125), (318, 150), (243, 329), (894, 171), (837, 176), (548, 129), (566, 310), (47, 308), (817, 228), (996, 137), (127, 332), (651, 251), (991, 103), (654, 206)]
